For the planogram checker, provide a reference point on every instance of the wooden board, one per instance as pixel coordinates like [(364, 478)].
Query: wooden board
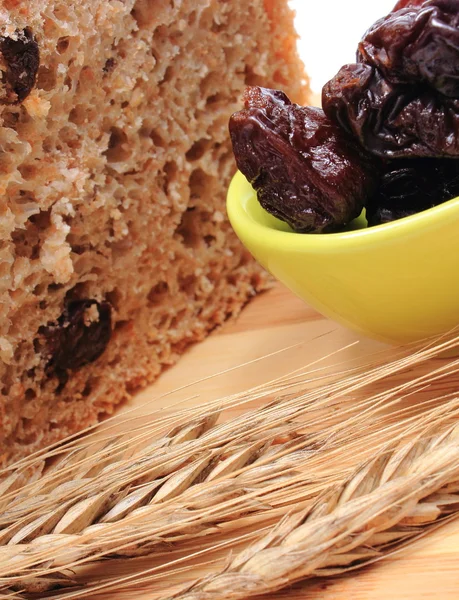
[(272, 322)]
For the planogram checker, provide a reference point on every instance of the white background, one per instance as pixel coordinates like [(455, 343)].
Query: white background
[(330, 31)]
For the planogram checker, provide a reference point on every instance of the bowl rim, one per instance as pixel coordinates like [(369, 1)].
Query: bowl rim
[(413, 224)]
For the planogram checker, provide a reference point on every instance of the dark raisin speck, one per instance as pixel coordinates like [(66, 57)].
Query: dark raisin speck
[(20, 59), (110, 64), (78, 337)]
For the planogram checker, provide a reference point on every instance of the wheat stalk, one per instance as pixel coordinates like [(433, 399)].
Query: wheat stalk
[(387, 500), (124, 495), (170, 522), (363, 481)]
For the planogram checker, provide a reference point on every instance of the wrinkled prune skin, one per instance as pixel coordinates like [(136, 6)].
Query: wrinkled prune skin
[(390, 120), (410, 186), (402, 98), (417, 45), (75, 340), (20, 59), (407, 3), (306, 171)]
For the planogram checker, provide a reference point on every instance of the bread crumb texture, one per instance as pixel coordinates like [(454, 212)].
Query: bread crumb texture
[(113, 169)]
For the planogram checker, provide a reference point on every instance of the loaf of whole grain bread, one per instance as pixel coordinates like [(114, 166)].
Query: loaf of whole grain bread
[(115, 158)]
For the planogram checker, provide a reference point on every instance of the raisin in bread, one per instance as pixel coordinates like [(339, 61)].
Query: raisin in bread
[(115, 249)]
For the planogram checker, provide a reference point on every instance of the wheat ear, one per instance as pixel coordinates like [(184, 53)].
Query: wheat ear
[(113, 507), (386, 501), (32, 558), (80, 499), (258, 489)]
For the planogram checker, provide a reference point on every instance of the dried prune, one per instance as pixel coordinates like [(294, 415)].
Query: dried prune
[(20, 59), (417, 45), (392, 120), (78, 337), (402, 98), (410, 186), (407, 3), (306, 171)]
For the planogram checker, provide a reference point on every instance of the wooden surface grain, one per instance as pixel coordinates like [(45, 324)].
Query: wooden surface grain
[(278, 324)]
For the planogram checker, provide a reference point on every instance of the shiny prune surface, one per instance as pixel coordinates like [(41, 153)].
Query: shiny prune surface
[(417, 45), (410, 186), (391, 120), (402, 98), (305, 169), (407, 3)]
